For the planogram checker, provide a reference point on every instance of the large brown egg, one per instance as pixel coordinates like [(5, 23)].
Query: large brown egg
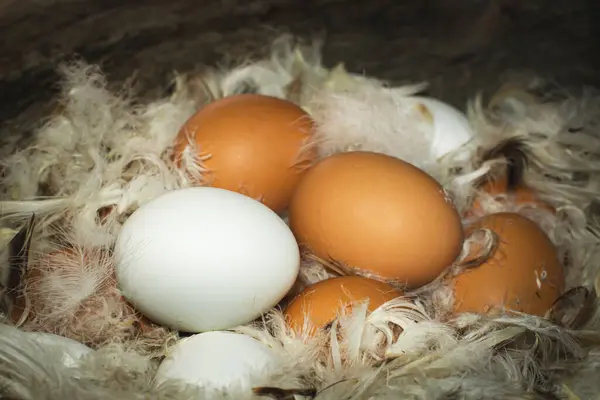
[(321, 303), (378, 215), (252, 144), (523, 274)]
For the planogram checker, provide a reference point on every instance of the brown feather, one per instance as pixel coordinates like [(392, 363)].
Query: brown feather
[(517, 154)]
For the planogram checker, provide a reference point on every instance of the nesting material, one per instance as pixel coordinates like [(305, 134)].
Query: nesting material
[(102, 155), (73, 292)]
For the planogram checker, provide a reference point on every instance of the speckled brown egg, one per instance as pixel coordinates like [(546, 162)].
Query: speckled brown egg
[(523, 274), (321, 303), (252, 144), (380, 216)]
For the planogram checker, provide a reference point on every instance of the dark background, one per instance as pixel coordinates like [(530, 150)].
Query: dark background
[(460, 47)]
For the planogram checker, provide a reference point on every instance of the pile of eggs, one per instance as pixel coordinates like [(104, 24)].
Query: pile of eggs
[(207, 259)]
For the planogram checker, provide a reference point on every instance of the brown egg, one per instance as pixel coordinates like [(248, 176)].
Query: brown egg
[(379, 216), (252, 144), (519, 195), (321, 303), (524, 274)]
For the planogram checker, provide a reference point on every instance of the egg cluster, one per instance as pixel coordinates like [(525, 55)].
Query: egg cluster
[(220, 255)]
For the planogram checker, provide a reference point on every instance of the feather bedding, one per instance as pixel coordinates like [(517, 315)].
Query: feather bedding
[(104, 154)]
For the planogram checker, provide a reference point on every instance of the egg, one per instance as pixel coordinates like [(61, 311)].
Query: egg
[(520, 195), (253, 144), (321, 303), (451, 128), (378, 215), (523, 274), (70, 350), (204, 258), (218, 360)]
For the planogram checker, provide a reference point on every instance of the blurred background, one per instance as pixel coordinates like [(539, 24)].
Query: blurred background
[(461, 47)]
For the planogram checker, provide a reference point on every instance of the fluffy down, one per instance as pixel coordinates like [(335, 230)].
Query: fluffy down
[(425, 360), (374, 118), (71, 291)]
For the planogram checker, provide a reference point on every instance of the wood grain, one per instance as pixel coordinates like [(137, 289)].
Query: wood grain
[(460, 47)]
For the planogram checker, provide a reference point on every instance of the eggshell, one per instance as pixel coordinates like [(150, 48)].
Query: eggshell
[(256, 145), (321, 303), (519, 195), (71, 350), (451, 128), (378, 215), (524, 274), (218, 360), (204, 258)]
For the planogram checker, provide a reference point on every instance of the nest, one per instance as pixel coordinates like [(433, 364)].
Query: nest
[(103, 154)]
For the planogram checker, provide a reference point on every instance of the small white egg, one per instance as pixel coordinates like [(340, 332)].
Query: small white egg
[(72, 351), (218, 360), (203, 259), (451, 126)]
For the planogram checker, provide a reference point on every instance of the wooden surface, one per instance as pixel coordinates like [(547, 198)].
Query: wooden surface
[(460, 47)]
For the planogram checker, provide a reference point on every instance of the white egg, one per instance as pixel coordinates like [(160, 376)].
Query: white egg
[(72, 351), (202, 259), (451, 128), (218, 360)]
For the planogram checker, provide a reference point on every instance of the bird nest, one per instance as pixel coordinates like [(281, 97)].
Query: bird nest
[(103, 154)]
